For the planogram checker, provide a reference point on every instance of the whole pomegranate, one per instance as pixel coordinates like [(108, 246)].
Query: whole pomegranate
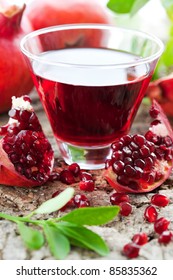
[(45, 13), (15, 76), (26, 156), (141, 163)]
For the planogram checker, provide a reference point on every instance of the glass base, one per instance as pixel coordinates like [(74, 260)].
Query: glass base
[(87, 157)]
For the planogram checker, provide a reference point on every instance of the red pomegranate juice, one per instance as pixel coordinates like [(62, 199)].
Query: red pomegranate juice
[(92, 105)]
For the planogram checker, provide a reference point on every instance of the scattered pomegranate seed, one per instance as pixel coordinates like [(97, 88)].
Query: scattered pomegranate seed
[(140, 238), (85, 176), (131, 250), (160, 200), (87, 185), (54, 176), (80, 200), (150, 214), (165, 237), (67, 177), (125, 208), (74, 168), (161, 225), (70, 203), (117, 198)]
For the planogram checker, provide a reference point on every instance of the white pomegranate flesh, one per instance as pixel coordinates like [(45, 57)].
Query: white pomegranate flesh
[(141, 163), (26, 156)]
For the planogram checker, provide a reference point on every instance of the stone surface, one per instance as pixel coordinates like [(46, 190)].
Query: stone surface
[(20, 201)]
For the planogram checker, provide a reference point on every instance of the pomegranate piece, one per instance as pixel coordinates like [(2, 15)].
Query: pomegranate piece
[(165, 237), (142, 163), (162, 91), (74, 168), (26, 156), (140, 238), (87, 185), (131, 250), (150, 214), (125, 208), (160, 200), (161, 225), (66, 177), (80, 200), (117, 198)]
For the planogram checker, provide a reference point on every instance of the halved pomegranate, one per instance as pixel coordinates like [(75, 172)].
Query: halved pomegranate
[(26, 156), (142, 163)]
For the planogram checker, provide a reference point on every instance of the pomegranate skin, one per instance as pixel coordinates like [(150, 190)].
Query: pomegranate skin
[(151, 159), (15, 76)]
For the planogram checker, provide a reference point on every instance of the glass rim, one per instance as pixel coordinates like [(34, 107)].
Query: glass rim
[(140, 61)]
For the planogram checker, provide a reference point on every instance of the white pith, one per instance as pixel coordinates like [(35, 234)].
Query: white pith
[(19, 103)]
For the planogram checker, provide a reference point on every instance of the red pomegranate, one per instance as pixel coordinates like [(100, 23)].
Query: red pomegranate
[(142, 163), (46, 13), (15, 76), (26, 156)]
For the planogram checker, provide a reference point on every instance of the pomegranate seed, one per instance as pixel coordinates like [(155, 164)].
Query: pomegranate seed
[(145, 151), (116, 146), (165, 237), (126, 139), (117, 155), (27, 98), (129, 170), (131, 250), (85, 176), (123, 180), (74, 168), (140, 238), (150, 214), (68, 204), (108, 163), (67, 177), (87, 185), (139, 139), (118, 167), (154, 112), (117, 198), (160, 200), (80, 200), (125, 208), (54, 176), (139, 163), (161, 225)]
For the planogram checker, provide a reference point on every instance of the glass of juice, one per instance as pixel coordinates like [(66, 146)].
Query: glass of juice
[(91, 80)]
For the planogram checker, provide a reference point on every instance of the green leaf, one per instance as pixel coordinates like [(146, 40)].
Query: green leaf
[(58, 243), (32, 238), (126, 7), (91, 215), (10, 218), (55, 203), (138, 4), (83, 237), (120, 6)]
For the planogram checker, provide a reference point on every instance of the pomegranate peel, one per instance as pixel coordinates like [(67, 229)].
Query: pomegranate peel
[(15, 75), (162, 91), (142, 163), (26, 156)]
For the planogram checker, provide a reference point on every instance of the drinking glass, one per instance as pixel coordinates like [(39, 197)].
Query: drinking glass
[(91, 79)]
